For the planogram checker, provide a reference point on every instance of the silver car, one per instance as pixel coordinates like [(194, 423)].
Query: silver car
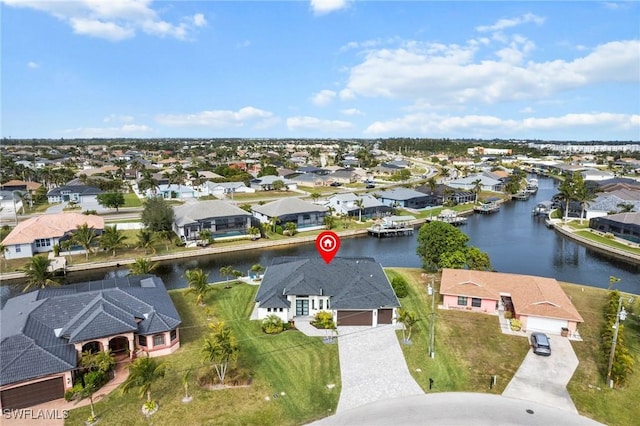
[(540, 343)]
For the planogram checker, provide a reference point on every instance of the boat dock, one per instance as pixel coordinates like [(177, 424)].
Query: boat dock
[(379, 231), (487, 208), (521, 196), (455, 221)]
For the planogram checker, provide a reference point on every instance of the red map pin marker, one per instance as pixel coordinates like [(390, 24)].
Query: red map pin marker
[(327, 244)]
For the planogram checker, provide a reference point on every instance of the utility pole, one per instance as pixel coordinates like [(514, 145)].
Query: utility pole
[(432, 291), (621, 314)]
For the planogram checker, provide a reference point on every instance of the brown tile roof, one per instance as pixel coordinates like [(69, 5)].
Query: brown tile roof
[(531, 295), (31, 186), (50, 226)]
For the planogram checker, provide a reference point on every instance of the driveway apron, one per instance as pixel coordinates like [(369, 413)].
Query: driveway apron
[(544, 379), (372, 367)]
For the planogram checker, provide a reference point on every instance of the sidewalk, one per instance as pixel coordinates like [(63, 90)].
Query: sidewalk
[(53, 413)]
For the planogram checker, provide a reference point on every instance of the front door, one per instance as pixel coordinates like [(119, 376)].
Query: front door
[(302, 307)]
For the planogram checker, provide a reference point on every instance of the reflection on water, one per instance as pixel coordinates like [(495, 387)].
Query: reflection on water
[(516, 242)]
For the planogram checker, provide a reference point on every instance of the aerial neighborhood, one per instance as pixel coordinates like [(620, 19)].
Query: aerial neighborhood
[(74, 206)]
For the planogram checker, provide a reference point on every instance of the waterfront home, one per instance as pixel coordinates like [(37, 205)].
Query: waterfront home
[(80, 194), (355, 290), (222, 189), (404, 197), (307, 216), (443, 194), (21, 185), (220, 218), (265, 183), (40, 234), (44, 332), (621, 225), (538, 302), (597, 175), (171, 191), (468, 183), (345, 204)]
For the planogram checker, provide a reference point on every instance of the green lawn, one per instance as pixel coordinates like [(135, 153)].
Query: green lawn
[(469, 347), (607, 241), (132, 200), (587, 387), (290, 362)]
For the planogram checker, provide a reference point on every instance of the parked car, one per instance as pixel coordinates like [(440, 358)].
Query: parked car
[(541, 344), (370, 185), (336, 184)]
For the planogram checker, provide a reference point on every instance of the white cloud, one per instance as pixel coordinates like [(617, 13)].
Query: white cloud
[(127, 130), (527, 110), (113, 20), (217, 119), (33, 65), (115, 118), (317, 124), (243, 44), (351, 111), (323, 97), (322, 7), (484, 125), (503, 24), (451, 74)]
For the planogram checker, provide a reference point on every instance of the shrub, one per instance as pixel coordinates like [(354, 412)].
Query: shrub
[(323, 320), (508, 314), (70, 394), (278, 229), (516, 325), (96, 378), (609, 235), (400, 287), (272, 324)]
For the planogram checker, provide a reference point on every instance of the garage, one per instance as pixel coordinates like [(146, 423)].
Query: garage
[(385, 316), (546, 325), (355, 318), (32, 394)]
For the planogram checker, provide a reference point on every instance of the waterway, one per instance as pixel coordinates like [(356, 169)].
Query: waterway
[(516, 242)]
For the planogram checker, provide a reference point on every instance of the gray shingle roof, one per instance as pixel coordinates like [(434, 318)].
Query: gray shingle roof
[(38, 329), (193, 212), (289, 205), (352, 283), (401, 194)]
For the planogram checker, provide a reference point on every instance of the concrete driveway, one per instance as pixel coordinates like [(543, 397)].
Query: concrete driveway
[(544, 379), (372, 367)]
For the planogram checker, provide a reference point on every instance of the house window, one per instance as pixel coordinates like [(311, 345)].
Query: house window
[(142, 340), (462, 300), (43, 242), (173, 335), (158, 340), (281, 310), (313, 303), (321, 304), (18, 249), (328, 304), (268, 309), (476, 302)]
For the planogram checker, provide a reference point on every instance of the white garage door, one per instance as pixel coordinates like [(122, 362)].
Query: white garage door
[(546, 325)]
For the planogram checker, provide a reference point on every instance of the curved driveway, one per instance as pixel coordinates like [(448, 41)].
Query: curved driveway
[(372, 367)]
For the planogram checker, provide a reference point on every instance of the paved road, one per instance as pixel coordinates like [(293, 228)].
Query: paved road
[(372, 367), (544, 379), (456, 408)]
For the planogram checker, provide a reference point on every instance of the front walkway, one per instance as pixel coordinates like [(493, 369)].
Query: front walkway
[(55, 410)]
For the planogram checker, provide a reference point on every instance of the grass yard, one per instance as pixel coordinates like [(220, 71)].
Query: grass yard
[(132, 200), (587, 387), (469, 347), (266, 195), (607, 241), (289, 362)]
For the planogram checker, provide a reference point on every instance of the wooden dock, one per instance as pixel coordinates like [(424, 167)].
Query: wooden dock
[(455, 221)]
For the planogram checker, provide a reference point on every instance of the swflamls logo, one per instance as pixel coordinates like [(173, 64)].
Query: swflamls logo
[(33, 414)]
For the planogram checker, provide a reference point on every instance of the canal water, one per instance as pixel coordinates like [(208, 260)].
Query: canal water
[(516, 242)]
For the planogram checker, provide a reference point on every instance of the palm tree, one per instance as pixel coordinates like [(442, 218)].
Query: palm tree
[(198, 284), (112, 239), (254, 232), (567, 192), (85, 236), (408, 319), (167, 236), (143, 372), (433, 184), (38, 273), (274, 221), (583, 195), (315, 196), (146, 238), (4, 249), (142, 266), (220, 348), (359, 203), (148, 182), (257, 269), (291, 228), (179, 176), (227, 271), (205, 236), (477, 187), (625, 207)]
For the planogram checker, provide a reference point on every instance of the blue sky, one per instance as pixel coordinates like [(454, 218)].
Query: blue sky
[(320, 69)]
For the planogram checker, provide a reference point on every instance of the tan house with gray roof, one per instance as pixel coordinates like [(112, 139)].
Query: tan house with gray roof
[(538, 302)]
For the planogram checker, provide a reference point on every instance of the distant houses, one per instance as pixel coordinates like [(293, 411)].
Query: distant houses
[(219, 218), (305, 215)]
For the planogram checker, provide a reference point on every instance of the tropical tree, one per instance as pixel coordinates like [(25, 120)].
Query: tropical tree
[(359, 203), (111, 200), (85, 236), (220, 348), (477, 259), (227, 271), (329, 221), (278, 185), (143, 373), (291, 228), (148, 182), (477, 187), (314, 196), (142, 266), (254, 232), (257, 269), (567, 191), (582, 195), (408, 319), (157, 214), (198, 284), (274, 222), (38, 272), (146, 239), (3, 251), (112, 239), (98, 361), (432, 183), (625, 207), (205, 236), (167, 237)]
